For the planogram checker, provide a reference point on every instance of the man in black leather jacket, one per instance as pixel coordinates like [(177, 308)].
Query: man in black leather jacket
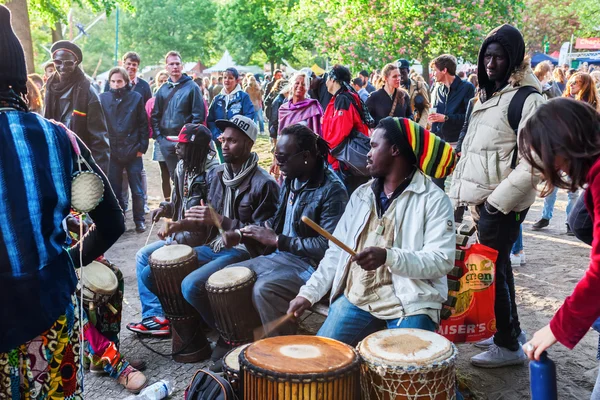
[(310, 189), (71, 99), (128, 132), (178, 102)]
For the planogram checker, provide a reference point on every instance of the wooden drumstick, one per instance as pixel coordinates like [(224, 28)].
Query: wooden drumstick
[(327, 235), (215, 219), (149, 234), (263, 331)]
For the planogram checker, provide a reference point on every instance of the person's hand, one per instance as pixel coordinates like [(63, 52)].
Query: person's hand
[(435, 117), (202, 214), (274, 170), (459, 153), (264, 235), (298, 306), (73, 225), (139, 154), (541, 340), (231, 238), (157, 214), (164, 231), (371, 258)]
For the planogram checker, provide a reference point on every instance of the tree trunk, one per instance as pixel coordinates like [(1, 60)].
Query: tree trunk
[(20, 23), (272, 67), (425, 63), (57, 32)]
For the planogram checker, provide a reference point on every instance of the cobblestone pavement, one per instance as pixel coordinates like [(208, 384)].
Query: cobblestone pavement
[(555, 263)]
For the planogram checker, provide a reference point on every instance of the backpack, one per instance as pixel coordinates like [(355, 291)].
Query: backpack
[(206, 385), (515, 113)]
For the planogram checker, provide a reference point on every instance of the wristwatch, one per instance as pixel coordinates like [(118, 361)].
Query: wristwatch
[(445, 118)]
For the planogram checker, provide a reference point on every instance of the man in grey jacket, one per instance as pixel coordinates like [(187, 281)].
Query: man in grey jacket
[(500, 190)]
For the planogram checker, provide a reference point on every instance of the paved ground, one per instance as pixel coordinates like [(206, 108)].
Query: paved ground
[(555, 262)]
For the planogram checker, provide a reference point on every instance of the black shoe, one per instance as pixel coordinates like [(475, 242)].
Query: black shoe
[(140, 227), (569, 231), (217, 366), (221, 348), (542, 223)]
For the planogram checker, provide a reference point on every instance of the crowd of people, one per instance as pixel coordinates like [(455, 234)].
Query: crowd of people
[(435, 148)]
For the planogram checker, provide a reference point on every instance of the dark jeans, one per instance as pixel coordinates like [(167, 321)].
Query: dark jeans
[(167, 149), (580, 221), (134, 174), (500, 231)]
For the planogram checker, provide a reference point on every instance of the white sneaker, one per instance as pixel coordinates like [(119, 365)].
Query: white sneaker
[(496, 357), (523, 259), (516, 260), (486, 343)]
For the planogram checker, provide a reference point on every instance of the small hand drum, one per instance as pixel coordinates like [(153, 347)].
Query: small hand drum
[(98, 284)]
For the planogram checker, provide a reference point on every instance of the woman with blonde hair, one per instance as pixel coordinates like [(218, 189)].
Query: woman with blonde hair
[(256, 94), (543, 71), (34, 97), (559, 78), (596, 78), (390, 100), (581, 87)]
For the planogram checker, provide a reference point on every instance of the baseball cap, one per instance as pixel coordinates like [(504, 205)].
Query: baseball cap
[(240, 122), (402, 63), (197, 134)]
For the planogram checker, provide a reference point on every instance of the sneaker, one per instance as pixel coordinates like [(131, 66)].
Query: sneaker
[(496, 357), (486, 343), (515, 260), (217, 366), (132, 379), (221, 348), (569, 231), (542, 223), (153, 326), (96, 369), (523, 259)]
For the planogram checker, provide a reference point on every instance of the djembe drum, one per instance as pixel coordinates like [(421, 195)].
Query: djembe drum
[(230, 295), (170, 265), (231, 368), (97, 284), (300, 368), (407, 364)]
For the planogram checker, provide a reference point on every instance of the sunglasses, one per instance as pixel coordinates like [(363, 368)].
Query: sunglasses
[(282, 158), (66, 63), (573, 83)]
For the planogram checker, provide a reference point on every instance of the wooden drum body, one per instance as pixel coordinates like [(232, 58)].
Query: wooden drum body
[(230, 294), (407, 364), (231, 368), (300, 368), (98, 283), (170, 265)]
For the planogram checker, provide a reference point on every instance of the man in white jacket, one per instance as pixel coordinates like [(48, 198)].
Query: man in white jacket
[(402, 227), (492, 177)]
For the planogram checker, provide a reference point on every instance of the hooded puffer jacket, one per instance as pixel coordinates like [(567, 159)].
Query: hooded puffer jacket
[(484, 171)]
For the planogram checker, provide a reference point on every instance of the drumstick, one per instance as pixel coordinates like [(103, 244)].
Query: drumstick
[(150, 234), (263, 331), (327, 235), (215, 218)]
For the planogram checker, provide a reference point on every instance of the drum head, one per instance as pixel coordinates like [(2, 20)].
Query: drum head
[(228, 277), (405, 347), (172, 254), (232, 359), (98, 278), (300, 354)]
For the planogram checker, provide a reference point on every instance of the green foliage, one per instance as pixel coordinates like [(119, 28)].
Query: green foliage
[(550, 18)]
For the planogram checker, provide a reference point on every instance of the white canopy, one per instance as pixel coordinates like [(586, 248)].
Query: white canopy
[(227, 62)]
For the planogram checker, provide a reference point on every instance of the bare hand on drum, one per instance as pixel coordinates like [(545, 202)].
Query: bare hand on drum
[(202, 214), (157, 214), (264, 235), (164, 232), (231, 238), (540, 341), (298, 306), (73, 225), (371, 258)]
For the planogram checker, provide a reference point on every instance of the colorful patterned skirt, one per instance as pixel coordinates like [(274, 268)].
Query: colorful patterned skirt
[(46, 367)]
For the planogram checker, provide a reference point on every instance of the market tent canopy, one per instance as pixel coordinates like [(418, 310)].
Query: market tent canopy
[(593, 58), (540, 57), (227, 62), (317, 70)]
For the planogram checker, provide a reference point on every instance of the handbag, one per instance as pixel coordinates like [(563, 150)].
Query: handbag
[(352, 153), (394, 104)]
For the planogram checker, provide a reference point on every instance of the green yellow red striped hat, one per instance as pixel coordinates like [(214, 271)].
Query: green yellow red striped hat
[(434, 156)]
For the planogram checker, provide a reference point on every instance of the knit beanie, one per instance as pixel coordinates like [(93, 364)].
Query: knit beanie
[(434, 156), (68, 46), (13, 70)]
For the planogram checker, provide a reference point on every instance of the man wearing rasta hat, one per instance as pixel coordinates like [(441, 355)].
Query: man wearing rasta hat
[(401, 226), (38, 308), (71, 99), (492, 176)]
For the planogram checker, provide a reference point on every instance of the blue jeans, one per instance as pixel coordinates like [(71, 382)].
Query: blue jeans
[(151, 306), (193, 286), (259, 119), (549, 201), (518, 246), (134, 175), (349, 324)]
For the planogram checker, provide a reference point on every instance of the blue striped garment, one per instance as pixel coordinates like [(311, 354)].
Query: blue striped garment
[(36, 275)]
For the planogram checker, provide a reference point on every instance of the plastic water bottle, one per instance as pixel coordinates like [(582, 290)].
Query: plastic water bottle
[(156, 391), (542, 376)]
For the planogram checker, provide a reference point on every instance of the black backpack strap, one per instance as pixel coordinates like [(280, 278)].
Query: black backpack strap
[(515, 113)]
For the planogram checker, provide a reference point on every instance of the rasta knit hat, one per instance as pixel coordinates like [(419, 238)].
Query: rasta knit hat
[(434, 156), (13, 70), (68, 46)]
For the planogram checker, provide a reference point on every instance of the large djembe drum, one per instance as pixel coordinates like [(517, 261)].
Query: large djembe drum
[(230, 294), (170, 265), (300, 368), (407, 364)]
